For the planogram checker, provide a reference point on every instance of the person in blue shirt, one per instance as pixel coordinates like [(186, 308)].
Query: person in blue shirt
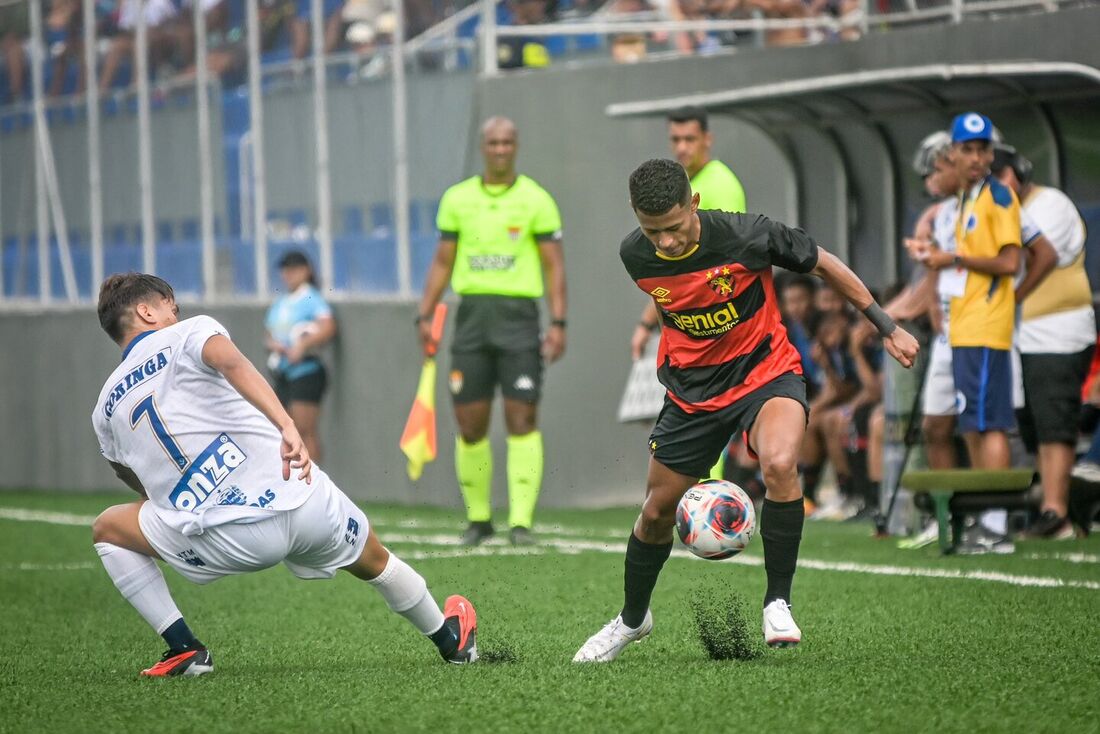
[(298, 324)]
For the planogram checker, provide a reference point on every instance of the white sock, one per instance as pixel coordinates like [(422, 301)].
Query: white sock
[(138, 578), (406, 593), (995, 521)]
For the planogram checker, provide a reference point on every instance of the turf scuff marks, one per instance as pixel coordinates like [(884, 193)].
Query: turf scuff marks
[(722, 623)]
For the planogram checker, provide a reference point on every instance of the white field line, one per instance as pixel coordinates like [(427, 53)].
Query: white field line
[(76, 566), (1067, 557), (53, 518), (496, 547)]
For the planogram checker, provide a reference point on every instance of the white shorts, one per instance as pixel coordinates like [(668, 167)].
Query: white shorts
[(315, 540), (939, 384)]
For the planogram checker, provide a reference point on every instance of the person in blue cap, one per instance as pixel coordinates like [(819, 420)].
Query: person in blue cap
[(978, 279)]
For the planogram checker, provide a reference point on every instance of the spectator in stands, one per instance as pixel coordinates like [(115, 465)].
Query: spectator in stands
[(1056, 337), (298, 324), (796, 303), (227, 48), (14, 29), (300, 37), (982, 312), (783, 10), (840, 383), (64, 43), (1088, 468), (515, 52), (162, 34)]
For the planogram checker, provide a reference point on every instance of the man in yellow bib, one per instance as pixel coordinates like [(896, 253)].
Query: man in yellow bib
[(499, 237), (1057, 334)]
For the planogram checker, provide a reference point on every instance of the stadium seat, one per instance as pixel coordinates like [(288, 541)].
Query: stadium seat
[(957, 493)]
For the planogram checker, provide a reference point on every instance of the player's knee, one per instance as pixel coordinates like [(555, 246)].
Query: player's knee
[(780, 468), (936, 429), (104, 528), (655, 522)]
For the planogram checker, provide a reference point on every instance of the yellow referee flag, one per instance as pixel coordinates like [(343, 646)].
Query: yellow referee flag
[(418, 441)]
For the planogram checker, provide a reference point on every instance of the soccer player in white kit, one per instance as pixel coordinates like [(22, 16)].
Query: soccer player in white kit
[(227, 486)]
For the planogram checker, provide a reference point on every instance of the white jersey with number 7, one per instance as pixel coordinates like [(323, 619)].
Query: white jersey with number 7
[(204, 454)]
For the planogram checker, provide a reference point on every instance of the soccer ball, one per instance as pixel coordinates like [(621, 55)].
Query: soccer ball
[(715, 519)]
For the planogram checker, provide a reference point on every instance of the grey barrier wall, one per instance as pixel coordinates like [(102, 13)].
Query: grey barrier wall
[(175, 170), (54, 363)]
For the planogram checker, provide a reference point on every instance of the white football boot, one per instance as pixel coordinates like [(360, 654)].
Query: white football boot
[(779, 627), (609, 642)]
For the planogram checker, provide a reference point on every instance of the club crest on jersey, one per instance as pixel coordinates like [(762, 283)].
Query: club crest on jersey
[(139, 374), (514, 233), (720, 281)]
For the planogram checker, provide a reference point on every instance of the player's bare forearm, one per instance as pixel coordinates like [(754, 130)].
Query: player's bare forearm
[(126, 474), (1041, 259), (553, 268), (842, 279), (220, 354)]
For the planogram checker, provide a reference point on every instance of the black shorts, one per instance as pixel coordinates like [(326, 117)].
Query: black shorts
[(496, 342), (1052, 395), (690, 443), (305, 389)]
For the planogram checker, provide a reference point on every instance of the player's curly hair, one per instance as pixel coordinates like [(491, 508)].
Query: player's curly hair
[(121, 291), (658, 185)]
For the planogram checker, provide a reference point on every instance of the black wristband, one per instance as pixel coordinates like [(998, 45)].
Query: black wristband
[(419, 317), (647, 327), (558, 322), (880, 319)]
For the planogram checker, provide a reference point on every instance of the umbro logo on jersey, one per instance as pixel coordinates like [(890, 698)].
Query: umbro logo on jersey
[(524, 382), (661, 294)]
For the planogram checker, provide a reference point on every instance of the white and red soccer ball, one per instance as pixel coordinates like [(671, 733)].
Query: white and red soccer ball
[(715, 519)]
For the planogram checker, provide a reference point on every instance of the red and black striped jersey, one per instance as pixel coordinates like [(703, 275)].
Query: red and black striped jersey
[(722, 335)]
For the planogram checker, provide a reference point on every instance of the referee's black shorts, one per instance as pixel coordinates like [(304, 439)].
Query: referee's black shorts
[(496, 342), (1052, 397), (690, 443)]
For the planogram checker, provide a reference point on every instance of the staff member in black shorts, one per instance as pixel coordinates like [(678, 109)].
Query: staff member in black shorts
[(499, 238), (298, 324)]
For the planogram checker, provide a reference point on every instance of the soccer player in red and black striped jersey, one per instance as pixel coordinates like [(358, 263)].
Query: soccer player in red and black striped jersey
[(729, 369)]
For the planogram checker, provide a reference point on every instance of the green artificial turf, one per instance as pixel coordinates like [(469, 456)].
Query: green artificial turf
[(880, 652)]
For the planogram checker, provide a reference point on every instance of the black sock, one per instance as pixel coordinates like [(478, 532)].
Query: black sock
[(179, 636), (445, 639), (811, 475), (871, 495), (643, 565), (781, 531)]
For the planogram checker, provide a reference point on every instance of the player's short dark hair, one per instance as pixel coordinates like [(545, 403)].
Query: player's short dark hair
[(658, 185), (689, 113), (121, 291)]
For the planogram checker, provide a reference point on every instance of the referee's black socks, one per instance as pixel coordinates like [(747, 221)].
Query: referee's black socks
[(781, 532), (643, 565)]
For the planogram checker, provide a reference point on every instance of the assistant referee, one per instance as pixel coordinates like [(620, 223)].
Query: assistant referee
[(499, 237)]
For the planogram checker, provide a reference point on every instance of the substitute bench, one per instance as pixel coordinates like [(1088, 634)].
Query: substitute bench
[(958, 492)]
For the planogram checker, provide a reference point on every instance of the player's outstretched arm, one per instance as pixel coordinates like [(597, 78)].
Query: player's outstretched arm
[(220, 354), (898, 343), (126, 474)]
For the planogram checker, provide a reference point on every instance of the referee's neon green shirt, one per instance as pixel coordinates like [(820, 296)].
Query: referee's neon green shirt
[(718, 188), (497, 231)]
